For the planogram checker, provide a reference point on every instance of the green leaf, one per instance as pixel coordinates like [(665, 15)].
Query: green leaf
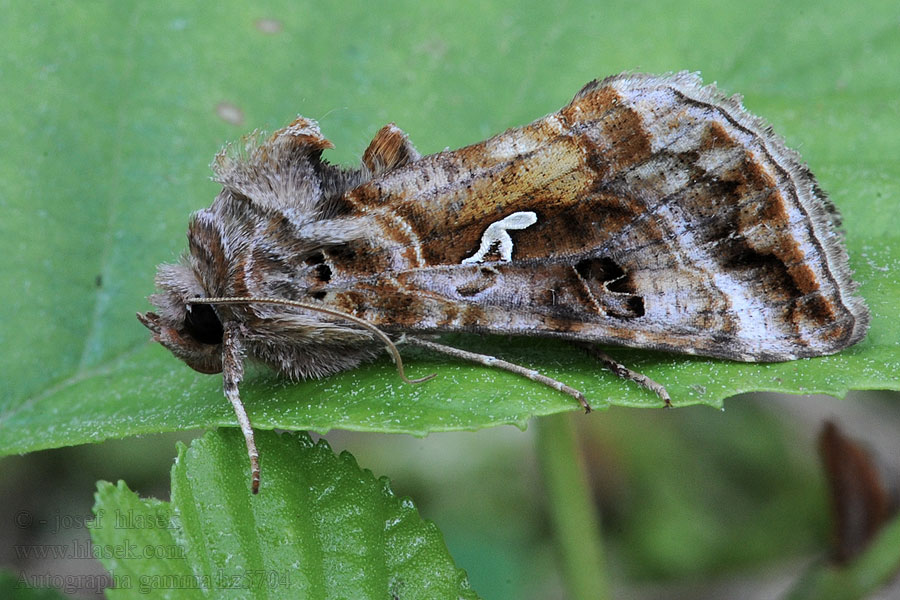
[(320, 527), (112, 111), (137, 542)]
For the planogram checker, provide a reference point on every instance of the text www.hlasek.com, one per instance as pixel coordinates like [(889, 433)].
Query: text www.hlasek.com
[(84, 549)]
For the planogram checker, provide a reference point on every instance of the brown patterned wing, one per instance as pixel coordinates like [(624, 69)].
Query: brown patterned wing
[(650, 212)]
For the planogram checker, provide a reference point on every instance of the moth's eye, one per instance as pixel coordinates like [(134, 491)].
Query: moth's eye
[(203, 324)]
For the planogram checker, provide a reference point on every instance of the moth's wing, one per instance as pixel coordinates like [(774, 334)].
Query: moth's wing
[(666, 216), (738, 245)]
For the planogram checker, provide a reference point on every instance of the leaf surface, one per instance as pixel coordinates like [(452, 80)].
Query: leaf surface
[(112, 112), (320, 527)]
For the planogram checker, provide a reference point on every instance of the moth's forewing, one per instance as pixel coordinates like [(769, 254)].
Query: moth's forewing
[(667, 217)]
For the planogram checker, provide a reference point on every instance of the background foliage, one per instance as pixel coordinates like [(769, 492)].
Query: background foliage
[(322, 528), (111, 112)]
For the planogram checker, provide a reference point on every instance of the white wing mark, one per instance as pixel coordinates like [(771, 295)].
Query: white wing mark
[(496, 233)]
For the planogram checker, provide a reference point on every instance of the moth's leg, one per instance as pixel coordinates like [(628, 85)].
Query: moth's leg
[(389, 149), (626, 373), (490, 361), (233, 374)]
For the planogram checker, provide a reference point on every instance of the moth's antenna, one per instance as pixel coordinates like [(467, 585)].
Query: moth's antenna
[(392, 348)]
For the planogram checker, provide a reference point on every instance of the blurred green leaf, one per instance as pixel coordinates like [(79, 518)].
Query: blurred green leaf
[(874, 568), (20, 587), (111, 112), (320, 527), (664, 477)]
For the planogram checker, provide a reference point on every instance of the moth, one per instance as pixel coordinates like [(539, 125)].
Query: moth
[(650, 211)]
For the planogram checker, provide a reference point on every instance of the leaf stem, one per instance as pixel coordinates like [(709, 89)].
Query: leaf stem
[(572, 510)]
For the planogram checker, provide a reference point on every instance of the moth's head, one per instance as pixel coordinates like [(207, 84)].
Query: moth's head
[(279, 175), (193, 332)]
